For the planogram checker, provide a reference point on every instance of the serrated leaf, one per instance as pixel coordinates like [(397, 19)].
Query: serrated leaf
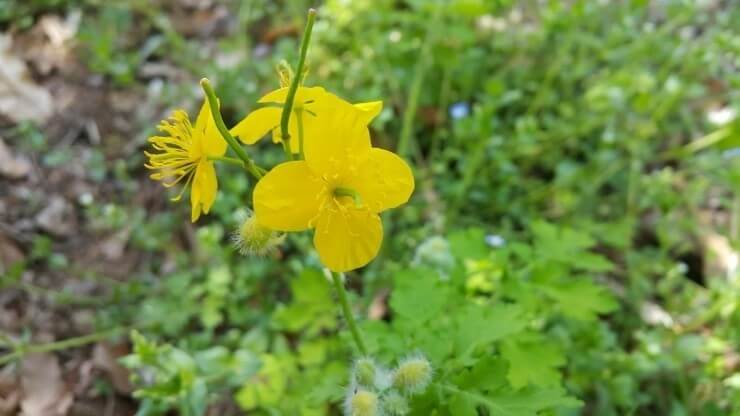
[(462, 405), (527, 402), (468, 244), (267, 386), (312, 308), (532, 361), (581, 299), (477, 324), (568, 246), (418, 296)]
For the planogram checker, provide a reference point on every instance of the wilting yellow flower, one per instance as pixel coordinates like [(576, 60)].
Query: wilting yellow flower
[(183, 152), (339, 189), (311, 104)]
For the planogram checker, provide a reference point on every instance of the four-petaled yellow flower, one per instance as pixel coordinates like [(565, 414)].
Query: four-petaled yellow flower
[(184, 153), (338, 189), (310, 105)]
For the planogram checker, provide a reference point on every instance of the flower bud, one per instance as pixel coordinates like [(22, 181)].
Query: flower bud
[(362, 403), (364, 372), (255, 239), (395, 405), (413, 375)]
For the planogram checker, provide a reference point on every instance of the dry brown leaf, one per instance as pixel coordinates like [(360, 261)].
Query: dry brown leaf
[(10, 254), (44, 390), (20, 98), (56, 217), (13, 167), (10, 394), (722, 258), (105, 357)]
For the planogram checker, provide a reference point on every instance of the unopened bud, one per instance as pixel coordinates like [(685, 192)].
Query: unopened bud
[(362, 403), (365, 372), (413, 375), (395, 405), (252, 238)]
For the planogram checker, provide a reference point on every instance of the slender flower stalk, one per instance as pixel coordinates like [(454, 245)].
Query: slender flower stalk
[(338, 279), (287, 108), (249, 165)]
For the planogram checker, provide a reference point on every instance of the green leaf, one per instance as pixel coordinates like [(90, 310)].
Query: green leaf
[(477, 324), (313, 307), (581, 299), (527, 402), (567, 246), (268, 385), (532, 360), (469, 244), (419, 295)]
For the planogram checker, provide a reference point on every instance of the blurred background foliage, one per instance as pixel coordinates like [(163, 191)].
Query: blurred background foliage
[(576, 218)]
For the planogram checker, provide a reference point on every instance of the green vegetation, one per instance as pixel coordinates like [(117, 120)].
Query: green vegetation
[(556, 257)]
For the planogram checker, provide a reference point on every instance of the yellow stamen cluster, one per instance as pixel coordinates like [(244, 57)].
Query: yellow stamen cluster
[(174, 160)]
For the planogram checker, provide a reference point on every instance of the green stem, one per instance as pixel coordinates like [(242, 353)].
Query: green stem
[(342, 293), (299, 116), (21, 350), (231, 160), (412, 102), (216, 112), (290, 98)]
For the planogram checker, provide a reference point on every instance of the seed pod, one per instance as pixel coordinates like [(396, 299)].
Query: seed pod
[(413, 375)]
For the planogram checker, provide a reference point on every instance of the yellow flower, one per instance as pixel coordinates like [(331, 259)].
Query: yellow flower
[(311, 104), (338, 189), (183, 152)]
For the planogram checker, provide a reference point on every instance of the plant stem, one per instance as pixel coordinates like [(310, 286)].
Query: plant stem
[(342, 292), (21, 350), (412, 102), (231, 160), (216, 112), (290, 98)]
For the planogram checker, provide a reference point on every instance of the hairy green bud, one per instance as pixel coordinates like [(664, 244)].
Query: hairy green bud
[(364, 372), (252, 238), (395, 404), (413, 375), (362, 403)]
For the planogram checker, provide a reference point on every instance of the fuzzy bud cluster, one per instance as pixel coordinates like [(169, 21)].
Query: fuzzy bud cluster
[(377, 391)]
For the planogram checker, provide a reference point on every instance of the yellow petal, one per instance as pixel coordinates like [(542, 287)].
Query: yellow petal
[(288, 198), (369, 110), (204, 188), (302, 94), (203, 115), (347, 238), (336, 139), (384, 180), (256, 124)]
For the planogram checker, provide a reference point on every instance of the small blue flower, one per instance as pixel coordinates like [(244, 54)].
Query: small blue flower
[(494, 240), (459, 110)]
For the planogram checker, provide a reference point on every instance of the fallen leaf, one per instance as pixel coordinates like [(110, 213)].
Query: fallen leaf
[(56, 217), (44, 390), (105, 357), (13, 167), (20, 98), (722, 258), (10, 393), (10, 254)]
